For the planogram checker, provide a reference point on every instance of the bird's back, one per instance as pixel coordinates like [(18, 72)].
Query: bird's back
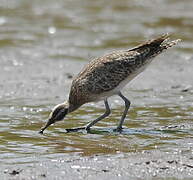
[(107, 74)]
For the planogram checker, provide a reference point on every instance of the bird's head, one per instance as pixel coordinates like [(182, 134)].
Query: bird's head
[(57, 114)]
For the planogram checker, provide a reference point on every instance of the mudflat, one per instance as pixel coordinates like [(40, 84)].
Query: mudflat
[(44, 44)]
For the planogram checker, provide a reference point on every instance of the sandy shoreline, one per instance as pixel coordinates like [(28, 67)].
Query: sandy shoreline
[(146, 165)]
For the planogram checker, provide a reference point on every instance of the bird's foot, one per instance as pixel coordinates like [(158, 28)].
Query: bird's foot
[(78, 128), (75, 129), (118, 129), (87, 128)]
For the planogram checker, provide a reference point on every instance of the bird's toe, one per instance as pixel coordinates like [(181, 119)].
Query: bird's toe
[(87, 128), (118, 129)]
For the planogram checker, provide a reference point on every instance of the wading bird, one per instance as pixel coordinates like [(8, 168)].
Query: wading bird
[(106, 76)]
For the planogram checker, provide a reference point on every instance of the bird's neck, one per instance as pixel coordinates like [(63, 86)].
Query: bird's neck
[(73, 107)]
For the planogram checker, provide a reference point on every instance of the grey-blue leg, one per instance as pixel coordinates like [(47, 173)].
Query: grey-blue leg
[(107, 112), (127, 105)]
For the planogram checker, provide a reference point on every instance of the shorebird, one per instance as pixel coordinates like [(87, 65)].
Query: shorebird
[(106, 76)]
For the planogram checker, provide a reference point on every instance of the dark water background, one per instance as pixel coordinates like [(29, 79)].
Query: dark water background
[(44, 43)]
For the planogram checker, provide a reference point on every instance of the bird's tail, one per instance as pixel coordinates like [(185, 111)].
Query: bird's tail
[(161, 43), (148, 50), (155, 46), (166, 43)]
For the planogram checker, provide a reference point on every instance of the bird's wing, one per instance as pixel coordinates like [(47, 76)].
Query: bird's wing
[(105, 73)]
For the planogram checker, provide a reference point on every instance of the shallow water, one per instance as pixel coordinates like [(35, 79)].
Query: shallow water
[(44, 43)]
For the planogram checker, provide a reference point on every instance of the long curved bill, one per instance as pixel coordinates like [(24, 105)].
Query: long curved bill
[(46, 126)]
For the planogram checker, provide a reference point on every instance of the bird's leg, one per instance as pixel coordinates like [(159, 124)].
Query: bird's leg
[(107, 112), (127, 105)]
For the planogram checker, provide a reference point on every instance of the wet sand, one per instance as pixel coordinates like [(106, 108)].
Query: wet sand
[(145, 165), (44, 44)]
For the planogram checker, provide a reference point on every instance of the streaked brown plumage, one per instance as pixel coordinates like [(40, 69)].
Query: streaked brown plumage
[(107, 75)]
